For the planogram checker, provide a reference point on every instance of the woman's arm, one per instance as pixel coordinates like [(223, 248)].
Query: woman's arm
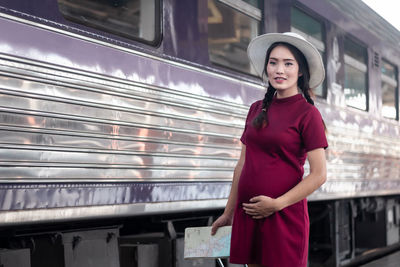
[(227, 217), (263, 206)]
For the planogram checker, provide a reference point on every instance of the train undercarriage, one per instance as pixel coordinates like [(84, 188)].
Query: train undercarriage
[(346, 232)]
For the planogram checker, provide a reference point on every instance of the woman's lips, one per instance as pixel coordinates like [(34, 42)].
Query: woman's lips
[(279, 79)]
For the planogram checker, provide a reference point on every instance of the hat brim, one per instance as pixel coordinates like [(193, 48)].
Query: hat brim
[(258, 47)]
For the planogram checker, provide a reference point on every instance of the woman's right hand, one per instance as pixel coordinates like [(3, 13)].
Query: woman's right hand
[(223, 220)]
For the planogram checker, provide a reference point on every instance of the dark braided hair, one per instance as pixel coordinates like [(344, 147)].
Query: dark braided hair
[(302, 83)]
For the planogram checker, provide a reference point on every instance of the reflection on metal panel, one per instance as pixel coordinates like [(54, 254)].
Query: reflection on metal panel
[(63, 129), (351, 188), (109, 211), (85, 172), (59, 126), (361, 162), (64, 195)]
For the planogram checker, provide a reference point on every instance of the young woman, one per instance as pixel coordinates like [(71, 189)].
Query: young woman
[(267, 203)]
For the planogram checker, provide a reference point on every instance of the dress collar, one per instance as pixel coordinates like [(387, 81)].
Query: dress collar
[(289, 99)]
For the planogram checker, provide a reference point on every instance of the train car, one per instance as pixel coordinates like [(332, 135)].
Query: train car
[(120, 123)]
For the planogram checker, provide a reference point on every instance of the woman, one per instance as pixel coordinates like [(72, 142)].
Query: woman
[(267, 202)]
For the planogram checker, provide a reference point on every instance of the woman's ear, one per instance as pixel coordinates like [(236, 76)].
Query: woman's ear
[(300, 74)]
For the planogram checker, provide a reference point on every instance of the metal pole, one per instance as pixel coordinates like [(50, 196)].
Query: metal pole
[(220, 263)]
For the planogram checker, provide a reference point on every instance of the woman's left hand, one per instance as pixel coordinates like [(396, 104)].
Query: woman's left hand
[(261, 207)]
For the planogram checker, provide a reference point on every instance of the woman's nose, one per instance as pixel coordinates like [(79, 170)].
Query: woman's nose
[(279, 68)]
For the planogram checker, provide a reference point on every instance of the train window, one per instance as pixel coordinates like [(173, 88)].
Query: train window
[(389, 90), (231, 26), (255, 3), (355, 72), (136, 19), (312, 30)]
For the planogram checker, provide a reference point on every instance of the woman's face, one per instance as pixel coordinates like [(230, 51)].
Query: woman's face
[(283, 71)]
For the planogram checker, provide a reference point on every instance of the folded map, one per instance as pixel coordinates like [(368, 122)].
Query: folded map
[(199, 243)]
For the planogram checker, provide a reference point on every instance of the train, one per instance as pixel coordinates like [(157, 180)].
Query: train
[(120, 126)]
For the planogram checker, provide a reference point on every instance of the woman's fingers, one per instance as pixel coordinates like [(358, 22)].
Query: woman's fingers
[(256, 214), (252, 213), (223, 220), (251, 210), (249, 205), (218, 223), (214, 228)]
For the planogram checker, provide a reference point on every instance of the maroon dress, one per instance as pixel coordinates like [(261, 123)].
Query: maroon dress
[(274, 161)]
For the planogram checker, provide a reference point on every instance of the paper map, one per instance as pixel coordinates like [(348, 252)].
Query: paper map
[(199, 243)]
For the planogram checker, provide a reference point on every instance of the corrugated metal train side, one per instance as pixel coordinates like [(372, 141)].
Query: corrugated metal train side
[(93, 130)]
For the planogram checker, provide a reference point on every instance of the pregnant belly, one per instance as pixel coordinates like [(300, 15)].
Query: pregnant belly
[(272, 184)]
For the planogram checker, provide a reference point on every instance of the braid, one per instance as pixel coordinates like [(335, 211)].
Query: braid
[(306, 94), (262, 117)]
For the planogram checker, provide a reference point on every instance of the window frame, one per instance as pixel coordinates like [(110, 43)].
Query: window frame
[(247, 10), (319, 44), (158, 33), (358, 65), (393, 82)]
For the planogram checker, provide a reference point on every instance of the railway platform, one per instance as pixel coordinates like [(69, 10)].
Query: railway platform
[(391, 260)]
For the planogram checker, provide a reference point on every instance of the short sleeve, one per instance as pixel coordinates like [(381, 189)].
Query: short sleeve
[(313, 131), (243, 138), (251, 110)]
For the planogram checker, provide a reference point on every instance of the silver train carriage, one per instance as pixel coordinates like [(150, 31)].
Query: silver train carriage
[(122, 110)]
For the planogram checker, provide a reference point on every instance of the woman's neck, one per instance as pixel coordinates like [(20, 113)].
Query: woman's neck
[(286, 93)]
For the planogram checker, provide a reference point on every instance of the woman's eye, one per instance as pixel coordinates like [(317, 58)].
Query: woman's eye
[(288, 64), (272, 63)]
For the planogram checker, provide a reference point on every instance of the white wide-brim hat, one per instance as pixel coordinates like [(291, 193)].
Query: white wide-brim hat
[(257, 51)]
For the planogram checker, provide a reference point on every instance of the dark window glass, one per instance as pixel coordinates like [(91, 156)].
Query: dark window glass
[(389, 70), (356, 75), (255, 3), (355, 85), (306, 24), (389, 90), (229, 34), (312, 30), (355, 51), (135, 19)]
